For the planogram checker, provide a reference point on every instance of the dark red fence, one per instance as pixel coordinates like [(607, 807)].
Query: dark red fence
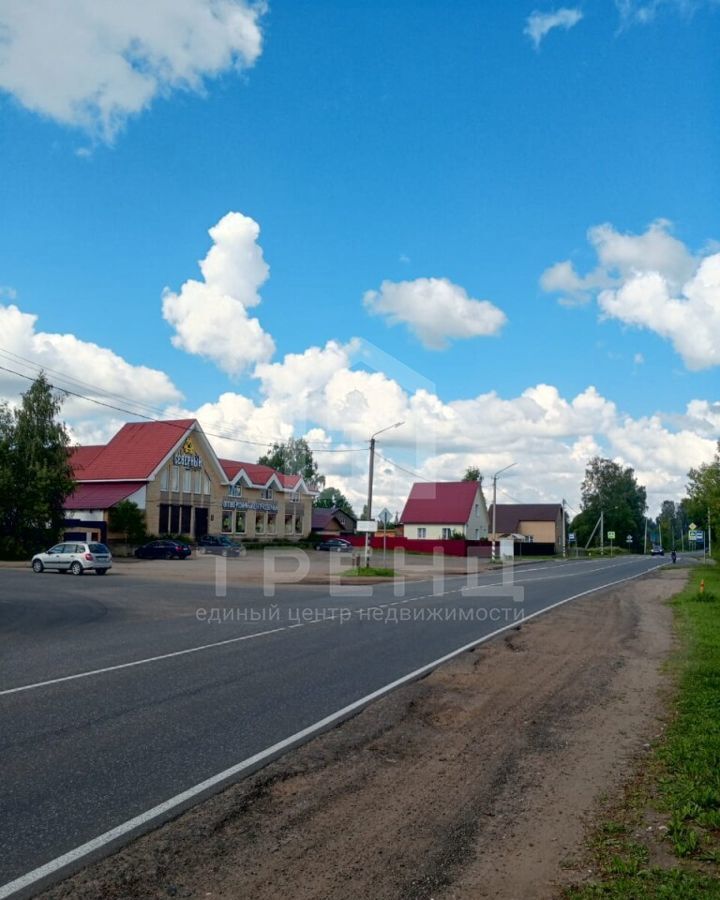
[(413, 545)]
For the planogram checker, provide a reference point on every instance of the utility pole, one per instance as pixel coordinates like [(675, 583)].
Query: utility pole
[(602, 532), (709, 535), (493, 552), (371, 472), (563, 530), (645, 538)]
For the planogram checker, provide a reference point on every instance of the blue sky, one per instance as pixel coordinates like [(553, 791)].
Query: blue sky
[(383, 142)]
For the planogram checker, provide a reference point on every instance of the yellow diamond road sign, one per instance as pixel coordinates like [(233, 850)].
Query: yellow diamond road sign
[(693, 526)]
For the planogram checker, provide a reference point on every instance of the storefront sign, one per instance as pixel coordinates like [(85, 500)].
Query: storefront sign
[(187, 457), (259, 505)]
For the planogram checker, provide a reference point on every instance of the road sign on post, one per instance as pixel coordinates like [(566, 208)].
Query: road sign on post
[(611, 535), (367, 525)]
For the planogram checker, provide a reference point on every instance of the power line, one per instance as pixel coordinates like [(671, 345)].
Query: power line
[(407, 471), (225, 437)]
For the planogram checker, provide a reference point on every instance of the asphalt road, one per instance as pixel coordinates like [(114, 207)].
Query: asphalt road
[(184, 693)]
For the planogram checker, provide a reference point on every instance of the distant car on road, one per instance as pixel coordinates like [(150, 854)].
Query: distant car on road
[(657, 551), (76, 557), (220, 545), (164, 549), (339, 545)]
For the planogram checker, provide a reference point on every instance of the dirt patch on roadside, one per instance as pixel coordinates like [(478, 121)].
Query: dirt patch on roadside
[(474, 782)]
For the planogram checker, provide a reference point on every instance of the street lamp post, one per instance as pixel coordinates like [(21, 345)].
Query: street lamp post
[(371, 472), (494, 533)]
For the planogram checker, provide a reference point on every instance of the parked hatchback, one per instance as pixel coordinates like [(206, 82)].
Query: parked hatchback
[(75, 557), (163, 550), (220, 545)]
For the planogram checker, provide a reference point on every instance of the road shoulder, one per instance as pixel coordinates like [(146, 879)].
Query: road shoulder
[(477, 781)]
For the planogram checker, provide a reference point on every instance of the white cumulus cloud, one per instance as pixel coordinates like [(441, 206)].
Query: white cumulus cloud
[(435, 310), (650, 281), (92, 63), (539, 24), (81, 366), (210, 316)]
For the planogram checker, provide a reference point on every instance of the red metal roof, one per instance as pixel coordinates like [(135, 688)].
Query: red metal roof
[(135, 451), (101, 496), (440, 503), (81, 457), (258, 475)]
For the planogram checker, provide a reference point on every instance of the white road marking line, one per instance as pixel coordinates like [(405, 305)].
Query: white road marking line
[(138, 662), (75, 855)]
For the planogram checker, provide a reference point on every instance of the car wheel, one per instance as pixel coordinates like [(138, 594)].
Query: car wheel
[(101, 571), (37, 566), (76, 568), (168, 555)]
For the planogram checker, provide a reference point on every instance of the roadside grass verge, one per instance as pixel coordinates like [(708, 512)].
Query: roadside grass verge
[(663, 840), (369, 571)]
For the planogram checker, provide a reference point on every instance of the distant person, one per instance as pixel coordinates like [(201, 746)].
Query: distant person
[(673, 556)]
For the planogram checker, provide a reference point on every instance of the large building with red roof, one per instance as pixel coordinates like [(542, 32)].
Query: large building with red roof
[(170, 470), (444, 509)]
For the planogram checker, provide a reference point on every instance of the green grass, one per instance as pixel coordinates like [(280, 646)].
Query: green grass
[(377, 572), (681, 781)]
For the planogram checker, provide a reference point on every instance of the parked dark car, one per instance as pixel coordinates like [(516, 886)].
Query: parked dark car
[(220, 545), (163, 550), (339, 545), (657, 551)]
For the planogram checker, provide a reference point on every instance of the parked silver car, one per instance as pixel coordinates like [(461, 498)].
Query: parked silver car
[(76, 557)]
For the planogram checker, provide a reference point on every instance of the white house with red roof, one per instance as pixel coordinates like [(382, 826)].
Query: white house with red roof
[(441, 509), (170, 470)]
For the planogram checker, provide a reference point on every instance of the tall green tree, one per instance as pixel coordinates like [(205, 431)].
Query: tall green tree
[(703, 494), (472, 473), (613, 490), (34, 455), (331, 497), (128, 519), (293, 457)]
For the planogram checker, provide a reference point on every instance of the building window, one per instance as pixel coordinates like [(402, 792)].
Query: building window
[(226, 526), (477, 534), (260, 523), (174, 520), (294, 498), (187, 481), (477, 510), (289, 524), (164, 519), (198, 482), (271, 523), (422, 533), (298, 525), (164, 479), (266, 494), (185, 519), (175, 479), (239, 522), (446, 534)]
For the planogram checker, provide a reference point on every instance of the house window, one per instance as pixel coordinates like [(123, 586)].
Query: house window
[(266, 494), (164, 479), (298, 525), (187, 481), (271, 523), (421, 533), (289, 524), (226, 526), (477, 510), (294, 498), (260, 523), (240, 522), (446, 534), (206, 485), (477, 534), (198, 482), (175, 479)]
